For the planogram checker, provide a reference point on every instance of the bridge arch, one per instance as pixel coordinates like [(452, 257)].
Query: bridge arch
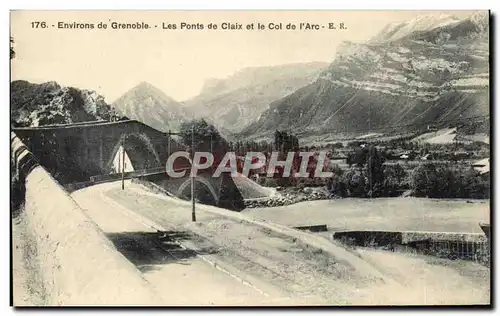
[(207, 185), (139, 149)]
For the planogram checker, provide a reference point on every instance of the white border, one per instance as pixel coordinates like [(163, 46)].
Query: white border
[(255, 4)]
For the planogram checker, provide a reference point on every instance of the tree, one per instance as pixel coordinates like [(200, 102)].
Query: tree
[(370, 160), (442, 181), (277, 140), (350, 159), (285, 142), (355, 181), (206, 136), (375, 171), (395, 179)]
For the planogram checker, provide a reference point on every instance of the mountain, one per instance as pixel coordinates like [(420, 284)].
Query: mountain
[(395, 31), (430, 70), (234, 102), (49, 103), (151, 106)]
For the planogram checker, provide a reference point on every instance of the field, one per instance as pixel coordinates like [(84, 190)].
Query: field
[(391, 214), (443, 136)]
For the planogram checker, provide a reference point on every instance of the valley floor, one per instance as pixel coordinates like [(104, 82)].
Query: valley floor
[(387, 214)]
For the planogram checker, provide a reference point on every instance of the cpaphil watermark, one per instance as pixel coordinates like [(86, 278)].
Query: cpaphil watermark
[(295, 164)]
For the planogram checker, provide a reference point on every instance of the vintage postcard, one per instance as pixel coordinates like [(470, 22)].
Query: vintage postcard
[(250, 158)]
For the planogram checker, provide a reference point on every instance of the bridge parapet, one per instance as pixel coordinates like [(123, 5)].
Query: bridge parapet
[(75, 152), (79, 155), (79, 265)]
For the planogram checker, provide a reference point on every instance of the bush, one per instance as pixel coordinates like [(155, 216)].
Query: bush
[(356, 182), (395, 179), (444, 181), (338, 187), (270, 182)]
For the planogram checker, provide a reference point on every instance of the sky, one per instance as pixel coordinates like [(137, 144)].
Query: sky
[(111, 61)]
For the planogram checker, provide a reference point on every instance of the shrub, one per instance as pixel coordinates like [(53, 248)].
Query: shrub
[(301, 184), (338, 187), (444, 181), (355, 182), (268, 182), (395, 179)]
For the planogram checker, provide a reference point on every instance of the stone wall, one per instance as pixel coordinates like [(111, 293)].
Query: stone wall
[(79, 265)]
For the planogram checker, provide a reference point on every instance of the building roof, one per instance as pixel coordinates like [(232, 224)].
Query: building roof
[(483, 165)]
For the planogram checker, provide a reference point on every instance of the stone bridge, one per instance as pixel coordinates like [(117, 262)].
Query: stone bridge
[(76, 153)]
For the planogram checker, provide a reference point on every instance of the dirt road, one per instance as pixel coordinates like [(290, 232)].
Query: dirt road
[(178, 275), (280, 269), (259, 265)]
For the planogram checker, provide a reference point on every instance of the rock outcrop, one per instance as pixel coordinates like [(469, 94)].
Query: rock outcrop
[(291, 196), (49, 103)]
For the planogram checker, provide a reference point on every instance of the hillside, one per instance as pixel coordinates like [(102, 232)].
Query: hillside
[(433, 70), (49, 103), (151, 106), (236, 101)]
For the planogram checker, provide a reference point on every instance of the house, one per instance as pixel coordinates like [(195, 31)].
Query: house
[(482, 166), (426, 157), (409, 154), (461, 155)]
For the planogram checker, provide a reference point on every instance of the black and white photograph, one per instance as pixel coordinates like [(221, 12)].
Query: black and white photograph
[(250, 158)]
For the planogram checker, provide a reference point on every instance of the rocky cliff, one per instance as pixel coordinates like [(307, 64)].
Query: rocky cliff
[(239, 100), (431, 70), (49, 103)]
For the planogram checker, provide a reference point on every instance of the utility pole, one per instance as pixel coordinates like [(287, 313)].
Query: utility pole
[(169, 141), (193, 212), (123, 163), (211, 150), (168, 146), (370, 170)]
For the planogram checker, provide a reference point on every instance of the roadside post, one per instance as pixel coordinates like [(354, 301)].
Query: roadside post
[(123, 164), (193, 201)]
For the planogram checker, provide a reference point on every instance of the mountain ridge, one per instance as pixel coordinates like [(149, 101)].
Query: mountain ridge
[(437, 74), (239, 99), (151, 106)]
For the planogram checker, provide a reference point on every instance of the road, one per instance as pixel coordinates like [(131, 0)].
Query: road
[(177, 274), (220, 260)]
